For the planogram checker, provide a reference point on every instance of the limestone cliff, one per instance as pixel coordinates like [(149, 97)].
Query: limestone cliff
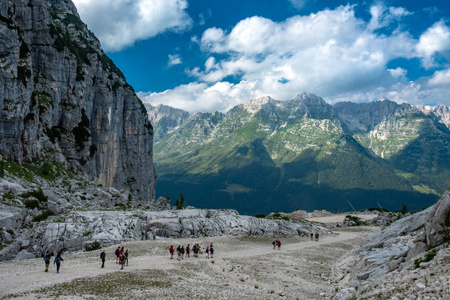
[(64, 100)]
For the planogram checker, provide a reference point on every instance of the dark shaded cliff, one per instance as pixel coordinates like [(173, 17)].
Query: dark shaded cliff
[(64, 100)]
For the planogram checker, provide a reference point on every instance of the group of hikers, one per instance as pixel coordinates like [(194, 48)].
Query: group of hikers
[(276, 243), (314, 235), (57, 261), (183, 252), (121, 257), (186, 252)]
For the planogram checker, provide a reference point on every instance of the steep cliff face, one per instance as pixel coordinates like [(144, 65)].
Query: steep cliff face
[(64, 100)]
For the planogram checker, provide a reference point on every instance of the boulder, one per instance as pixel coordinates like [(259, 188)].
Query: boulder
[(12, 217), (438, 221), (24, 254)]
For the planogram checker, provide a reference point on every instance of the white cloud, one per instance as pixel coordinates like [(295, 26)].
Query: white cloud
[(325, 53), (383, 16), (174, 60), (440, 78), (434, 42), (398, 72), (332, 54), (120, 23), (201, 97)]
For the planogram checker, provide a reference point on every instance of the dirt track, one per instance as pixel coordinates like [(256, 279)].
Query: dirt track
[(242, 267)]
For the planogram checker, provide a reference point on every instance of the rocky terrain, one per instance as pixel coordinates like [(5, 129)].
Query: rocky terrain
[(407, 260), (242, 267), (69, 213)]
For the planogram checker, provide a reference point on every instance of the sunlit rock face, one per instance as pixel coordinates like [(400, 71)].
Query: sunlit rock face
[(64, 100)]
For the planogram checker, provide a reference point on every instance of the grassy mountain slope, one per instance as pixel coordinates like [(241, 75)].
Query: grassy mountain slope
[(267, 155)]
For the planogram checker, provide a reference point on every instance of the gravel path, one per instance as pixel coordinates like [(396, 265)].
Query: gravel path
[(242, 267)]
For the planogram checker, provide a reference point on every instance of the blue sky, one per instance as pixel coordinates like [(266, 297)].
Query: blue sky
[(208, 55)]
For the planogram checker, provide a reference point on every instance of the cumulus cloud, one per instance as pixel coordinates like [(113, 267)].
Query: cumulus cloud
[(120, 23), (331, 53), (202, 97), (324, 53), (433, 43)]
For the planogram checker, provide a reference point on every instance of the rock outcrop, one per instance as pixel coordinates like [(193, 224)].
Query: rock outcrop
[(64, 100), (401, 260)]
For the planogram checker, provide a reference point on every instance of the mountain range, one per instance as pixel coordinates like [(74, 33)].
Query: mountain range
[(267, 155)]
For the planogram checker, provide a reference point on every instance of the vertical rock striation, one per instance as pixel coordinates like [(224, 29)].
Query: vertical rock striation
[(64, 100)]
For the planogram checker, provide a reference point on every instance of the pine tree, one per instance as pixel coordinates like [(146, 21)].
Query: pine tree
[(404, 209), (180, 203)]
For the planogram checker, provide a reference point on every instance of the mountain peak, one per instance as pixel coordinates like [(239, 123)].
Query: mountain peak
[(255, 105)]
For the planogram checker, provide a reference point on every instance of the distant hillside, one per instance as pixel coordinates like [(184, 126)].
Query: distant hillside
[(268, 155)]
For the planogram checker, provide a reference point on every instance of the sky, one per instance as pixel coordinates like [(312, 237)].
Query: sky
[(211, 55)]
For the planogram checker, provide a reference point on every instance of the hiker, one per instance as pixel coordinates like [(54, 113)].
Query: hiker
[(57, 261), (207, 251), (182, 252), (117, 252), (195, 250), (274, 243), (171, 251), (46, 258), (103, 258), (188, 251), (278, 244), (121, 260), (211, 250), (126, 256), (312, 236), (179, 252), (317, 236)]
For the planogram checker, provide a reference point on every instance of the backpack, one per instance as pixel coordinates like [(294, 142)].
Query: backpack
[(47, 259), (57, 260)]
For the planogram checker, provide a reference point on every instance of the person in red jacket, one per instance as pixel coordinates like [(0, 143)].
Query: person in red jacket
[(171, 251)]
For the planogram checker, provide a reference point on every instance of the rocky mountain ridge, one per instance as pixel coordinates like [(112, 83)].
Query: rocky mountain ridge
[(63, 100), (304, 149)]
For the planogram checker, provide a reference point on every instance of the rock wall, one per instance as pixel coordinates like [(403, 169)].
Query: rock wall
[(64, 100)]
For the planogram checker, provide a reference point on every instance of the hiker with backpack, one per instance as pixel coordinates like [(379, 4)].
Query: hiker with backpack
[(278, 244), (211, 250), (57, 262), (103, 258), (188, 251), (195, 250), (179, 252), (207, 251), (117, 252), (122, 260), (126, 256), (46, 258), (171, 251)]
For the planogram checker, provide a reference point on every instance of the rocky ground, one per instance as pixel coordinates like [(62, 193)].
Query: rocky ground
[(242, 268)]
